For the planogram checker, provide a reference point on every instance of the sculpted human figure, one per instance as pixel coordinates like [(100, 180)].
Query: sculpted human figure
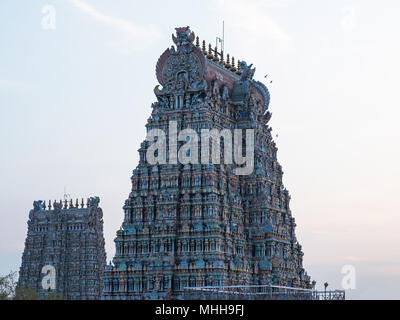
[(38, 205), (247, 71), (182, 81), (225, 93)]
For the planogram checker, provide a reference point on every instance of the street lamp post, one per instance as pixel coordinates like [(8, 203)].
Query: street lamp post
[(325, 285)]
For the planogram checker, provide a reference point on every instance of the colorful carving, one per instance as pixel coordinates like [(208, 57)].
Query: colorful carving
[(200, 224)]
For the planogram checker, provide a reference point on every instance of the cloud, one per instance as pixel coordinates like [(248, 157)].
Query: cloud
[(251, 18), (132, 37)]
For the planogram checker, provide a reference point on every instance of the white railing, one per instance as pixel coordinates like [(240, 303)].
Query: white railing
[(263, 292)]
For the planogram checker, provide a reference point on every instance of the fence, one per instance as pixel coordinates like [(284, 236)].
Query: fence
[(259, 292)]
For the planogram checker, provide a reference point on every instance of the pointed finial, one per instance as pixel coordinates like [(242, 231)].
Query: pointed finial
[(197, 42), (82, 203), (49, 204), (222, 57), (87, 203), (233, 69), (204, 47), (227, 64), (239, 72), (71, 205), (209, 54), (215, 54), (77, 203)]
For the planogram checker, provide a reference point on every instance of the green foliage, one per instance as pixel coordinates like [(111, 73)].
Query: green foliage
[(9, 290), (54, 296), (26, 293)]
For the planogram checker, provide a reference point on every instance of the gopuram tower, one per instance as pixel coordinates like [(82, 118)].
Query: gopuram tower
[(205, 220), (64, 250)]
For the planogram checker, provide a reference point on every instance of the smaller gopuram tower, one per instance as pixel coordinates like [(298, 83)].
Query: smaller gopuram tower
[(64, 249)]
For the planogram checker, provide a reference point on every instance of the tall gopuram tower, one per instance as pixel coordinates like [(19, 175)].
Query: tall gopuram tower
[(64, 250), (191, 224)]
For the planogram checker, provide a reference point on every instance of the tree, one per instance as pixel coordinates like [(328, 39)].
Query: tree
[(26, 293), (7, 286), (54, 296), (10, 291)]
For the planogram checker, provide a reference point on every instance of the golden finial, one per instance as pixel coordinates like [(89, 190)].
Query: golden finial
[(233, 68), (209, 55), (215, 55), (239, 72), (227, 64)]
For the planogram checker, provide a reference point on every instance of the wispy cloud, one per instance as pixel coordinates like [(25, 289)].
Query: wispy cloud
[(133, 37), (252, 18)]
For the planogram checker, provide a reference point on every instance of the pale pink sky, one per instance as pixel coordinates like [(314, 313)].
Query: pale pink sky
[(74, 102)]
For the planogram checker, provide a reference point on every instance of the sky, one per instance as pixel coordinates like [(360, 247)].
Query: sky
[(76, 87)]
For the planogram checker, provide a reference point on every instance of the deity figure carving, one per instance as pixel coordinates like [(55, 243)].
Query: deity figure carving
[(94, 201), (225, 93), (37, 205), (247, 71)]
